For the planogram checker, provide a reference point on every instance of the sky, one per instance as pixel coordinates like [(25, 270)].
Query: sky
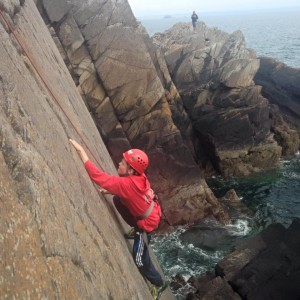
[(143, 8)]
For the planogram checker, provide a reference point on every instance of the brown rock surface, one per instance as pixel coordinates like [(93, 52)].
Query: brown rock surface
[(58, 238), (133, 100)]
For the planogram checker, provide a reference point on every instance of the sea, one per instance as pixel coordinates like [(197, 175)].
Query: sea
[(272, 196), (270, 33)]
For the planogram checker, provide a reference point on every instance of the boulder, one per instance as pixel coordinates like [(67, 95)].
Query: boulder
[(212, 288), (237, 209), (274, 272), (263, 267), (281, 85), (214, 73)]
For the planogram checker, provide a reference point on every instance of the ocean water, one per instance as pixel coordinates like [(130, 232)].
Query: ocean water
[(272, 196), (271, 33)]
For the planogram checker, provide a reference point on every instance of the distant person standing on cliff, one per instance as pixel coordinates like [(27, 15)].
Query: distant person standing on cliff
[(194, 18)]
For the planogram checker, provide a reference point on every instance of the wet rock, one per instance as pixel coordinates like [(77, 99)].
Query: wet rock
[(263, 267), (274, 273), (177, 282), (208, 236), (217, 288), (236, 208)]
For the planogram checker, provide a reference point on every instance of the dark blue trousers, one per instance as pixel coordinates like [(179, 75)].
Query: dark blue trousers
[(143, 261), (140, 250)]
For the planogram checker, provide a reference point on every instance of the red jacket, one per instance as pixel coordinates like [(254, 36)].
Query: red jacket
[(135, 192)]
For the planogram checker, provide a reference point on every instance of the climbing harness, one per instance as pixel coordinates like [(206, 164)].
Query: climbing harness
[(147, 213)]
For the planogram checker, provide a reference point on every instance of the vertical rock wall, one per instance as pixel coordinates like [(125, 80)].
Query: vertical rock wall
[(281, 85), (58, 238)]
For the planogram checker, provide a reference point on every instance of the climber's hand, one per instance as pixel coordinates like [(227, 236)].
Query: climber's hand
[(77, 146), (104, 192), (81, 152)]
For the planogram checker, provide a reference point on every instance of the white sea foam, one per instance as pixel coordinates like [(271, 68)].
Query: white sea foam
[(294, 175), (191, 246), (240, 227), (175, 269)]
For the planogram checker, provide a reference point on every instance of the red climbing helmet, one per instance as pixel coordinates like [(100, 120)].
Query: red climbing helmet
[(137, 159)]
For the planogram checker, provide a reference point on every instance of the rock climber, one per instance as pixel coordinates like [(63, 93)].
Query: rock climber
[(135, 201)]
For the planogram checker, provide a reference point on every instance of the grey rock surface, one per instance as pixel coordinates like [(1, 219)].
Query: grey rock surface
[(59, 238), (214, 72), (281, 85)]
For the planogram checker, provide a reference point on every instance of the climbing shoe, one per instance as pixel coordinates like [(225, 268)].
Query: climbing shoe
[(156, 291), (153, 291), (130, 234)]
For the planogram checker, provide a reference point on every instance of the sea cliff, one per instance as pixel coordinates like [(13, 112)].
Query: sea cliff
[(88, 70)]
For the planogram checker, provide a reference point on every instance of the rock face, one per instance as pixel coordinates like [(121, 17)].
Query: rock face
[(59, 239), (264, 267), (281, 86), (127, 87), (214, 72)]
